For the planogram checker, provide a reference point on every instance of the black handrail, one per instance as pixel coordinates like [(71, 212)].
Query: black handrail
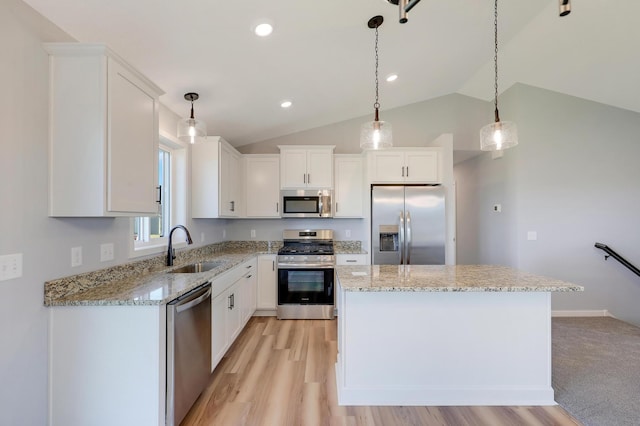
[(616, 256)]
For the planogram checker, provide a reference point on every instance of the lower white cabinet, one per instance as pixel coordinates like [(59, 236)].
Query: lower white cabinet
[(107, 365), (352, 259), (267, 282), (232, 304)]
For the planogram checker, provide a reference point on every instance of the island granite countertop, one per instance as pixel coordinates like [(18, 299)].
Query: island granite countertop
[(446, 278)]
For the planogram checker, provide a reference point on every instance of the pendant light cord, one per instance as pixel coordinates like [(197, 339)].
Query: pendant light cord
[(376, 105), (495, 59)]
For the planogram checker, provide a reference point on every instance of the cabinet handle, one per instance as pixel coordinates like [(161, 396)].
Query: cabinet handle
[(233, 300), (159, 197), (233, 206), (277, 207), (249, 276), (407, 171), (402, 171), (229, 302), (304, 178), (351, 260), (308, 177), (249, 266), (336, 207), (273, 265)]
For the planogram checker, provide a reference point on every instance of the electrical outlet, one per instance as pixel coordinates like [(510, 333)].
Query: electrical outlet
[(10, 266), (106, 252), (224, 234), (253, 233), (76, 256), (202, 237), (532, 235), (348, 233), (497, 208)]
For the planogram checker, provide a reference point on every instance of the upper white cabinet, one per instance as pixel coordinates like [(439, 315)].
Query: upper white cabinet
[(103, 141), (216, 179), (348, 194), (262, 185), (408, 165), (306, 166)]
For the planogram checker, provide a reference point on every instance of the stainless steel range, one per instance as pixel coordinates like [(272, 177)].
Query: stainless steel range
[(306, 274)]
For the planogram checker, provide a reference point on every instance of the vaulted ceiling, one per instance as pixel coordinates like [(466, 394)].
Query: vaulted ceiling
[(321, 54)]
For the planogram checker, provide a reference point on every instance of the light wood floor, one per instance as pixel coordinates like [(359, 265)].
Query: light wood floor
[(283, 373)]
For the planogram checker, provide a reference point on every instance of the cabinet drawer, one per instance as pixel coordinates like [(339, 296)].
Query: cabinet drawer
[(352, 259)]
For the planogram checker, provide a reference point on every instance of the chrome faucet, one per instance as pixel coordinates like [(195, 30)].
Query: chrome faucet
[(171, 253)]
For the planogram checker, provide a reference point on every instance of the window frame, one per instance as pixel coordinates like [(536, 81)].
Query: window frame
[(176, 198)]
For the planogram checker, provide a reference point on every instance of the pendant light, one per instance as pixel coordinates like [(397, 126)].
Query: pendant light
[(500, 134), (190, 129), (376, 134), (565, 7)]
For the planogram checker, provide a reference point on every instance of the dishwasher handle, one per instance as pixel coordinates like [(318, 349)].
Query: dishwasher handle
[(199, 296)]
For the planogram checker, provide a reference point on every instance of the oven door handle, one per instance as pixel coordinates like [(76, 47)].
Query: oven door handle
[(304, 266)]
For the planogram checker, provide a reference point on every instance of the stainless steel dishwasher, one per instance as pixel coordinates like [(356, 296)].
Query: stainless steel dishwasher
[(188, 351)]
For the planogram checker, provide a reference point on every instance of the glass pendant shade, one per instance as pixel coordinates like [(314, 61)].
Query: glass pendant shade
[(192, 130), (376, 135), (498, 135)]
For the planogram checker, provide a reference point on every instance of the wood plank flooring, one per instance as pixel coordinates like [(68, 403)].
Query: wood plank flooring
[(283, 373)]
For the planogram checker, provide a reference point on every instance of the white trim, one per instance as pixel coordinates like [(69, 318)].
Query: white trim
[(582, 313)]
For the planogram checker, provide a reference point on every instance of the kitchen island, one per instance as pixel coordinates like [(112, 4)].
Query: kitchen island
[(444, 335)]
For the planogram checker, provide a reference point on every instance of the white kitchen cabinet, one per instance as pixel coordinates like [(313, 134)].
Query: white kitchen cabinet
[(348, 193), (262, 185), (109, 360), (405, 165), (267, 283), (216, 179), (103, 140), (352, 259), (306, 166), (232, 304)]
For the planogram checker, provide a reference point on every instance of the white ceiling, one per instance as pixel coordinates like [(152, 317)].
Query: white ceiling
[(321, 55)]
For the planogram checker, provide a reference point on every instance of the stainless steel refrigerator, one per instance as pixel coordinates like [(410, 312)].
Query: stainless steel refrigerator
[(408, 225)]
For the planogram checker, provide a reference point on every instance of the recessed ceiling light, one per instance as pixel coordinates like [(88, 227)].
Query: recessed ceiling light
[(263, 30), (286, 104), (392, 77)]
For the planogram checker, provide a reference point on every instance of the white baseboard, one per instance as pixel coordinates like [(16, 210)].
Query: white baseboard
[(585, 313), (264, 313)]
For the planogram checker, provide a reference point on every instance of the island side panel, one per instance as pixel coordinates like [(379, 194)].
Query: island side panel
[(444, 348), (107, 365)]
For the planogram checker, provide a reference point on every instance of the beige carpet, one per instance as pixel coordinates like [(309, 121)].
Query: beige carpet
[(596, 370)]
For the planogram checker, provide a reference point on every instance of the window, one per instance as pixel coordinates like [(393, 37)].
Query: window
[(149, 231), (149, 234)]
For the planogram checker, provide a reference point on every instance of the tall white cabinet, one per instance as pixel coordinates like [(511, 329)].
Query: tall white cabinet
[(103, 140), (216, 180), (262, 185), (349, 189)]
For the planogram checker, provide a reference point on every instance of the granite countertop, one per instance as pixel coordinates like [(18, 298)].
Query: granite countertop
[(440, 278), (147, 282)]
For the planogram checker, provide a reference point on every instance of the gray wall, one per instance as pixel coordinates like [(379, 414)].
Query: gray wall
[(574, 180)]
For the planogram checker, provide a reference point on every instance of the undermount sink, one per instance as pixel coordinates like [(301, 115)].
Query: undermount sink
[(196, 267)]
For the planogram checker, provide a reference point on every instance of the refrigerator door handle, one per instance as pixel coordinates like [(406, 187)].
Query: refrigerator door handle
[(408, 237), (401, 242)]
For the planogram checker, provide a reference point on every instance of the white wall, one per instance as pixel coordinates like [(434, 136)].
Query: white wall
[(574, 180), (24, 225)]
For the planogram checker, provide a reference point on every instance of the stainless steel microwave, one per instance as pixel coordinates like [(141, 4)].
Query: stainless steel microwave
[(306, 203)]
